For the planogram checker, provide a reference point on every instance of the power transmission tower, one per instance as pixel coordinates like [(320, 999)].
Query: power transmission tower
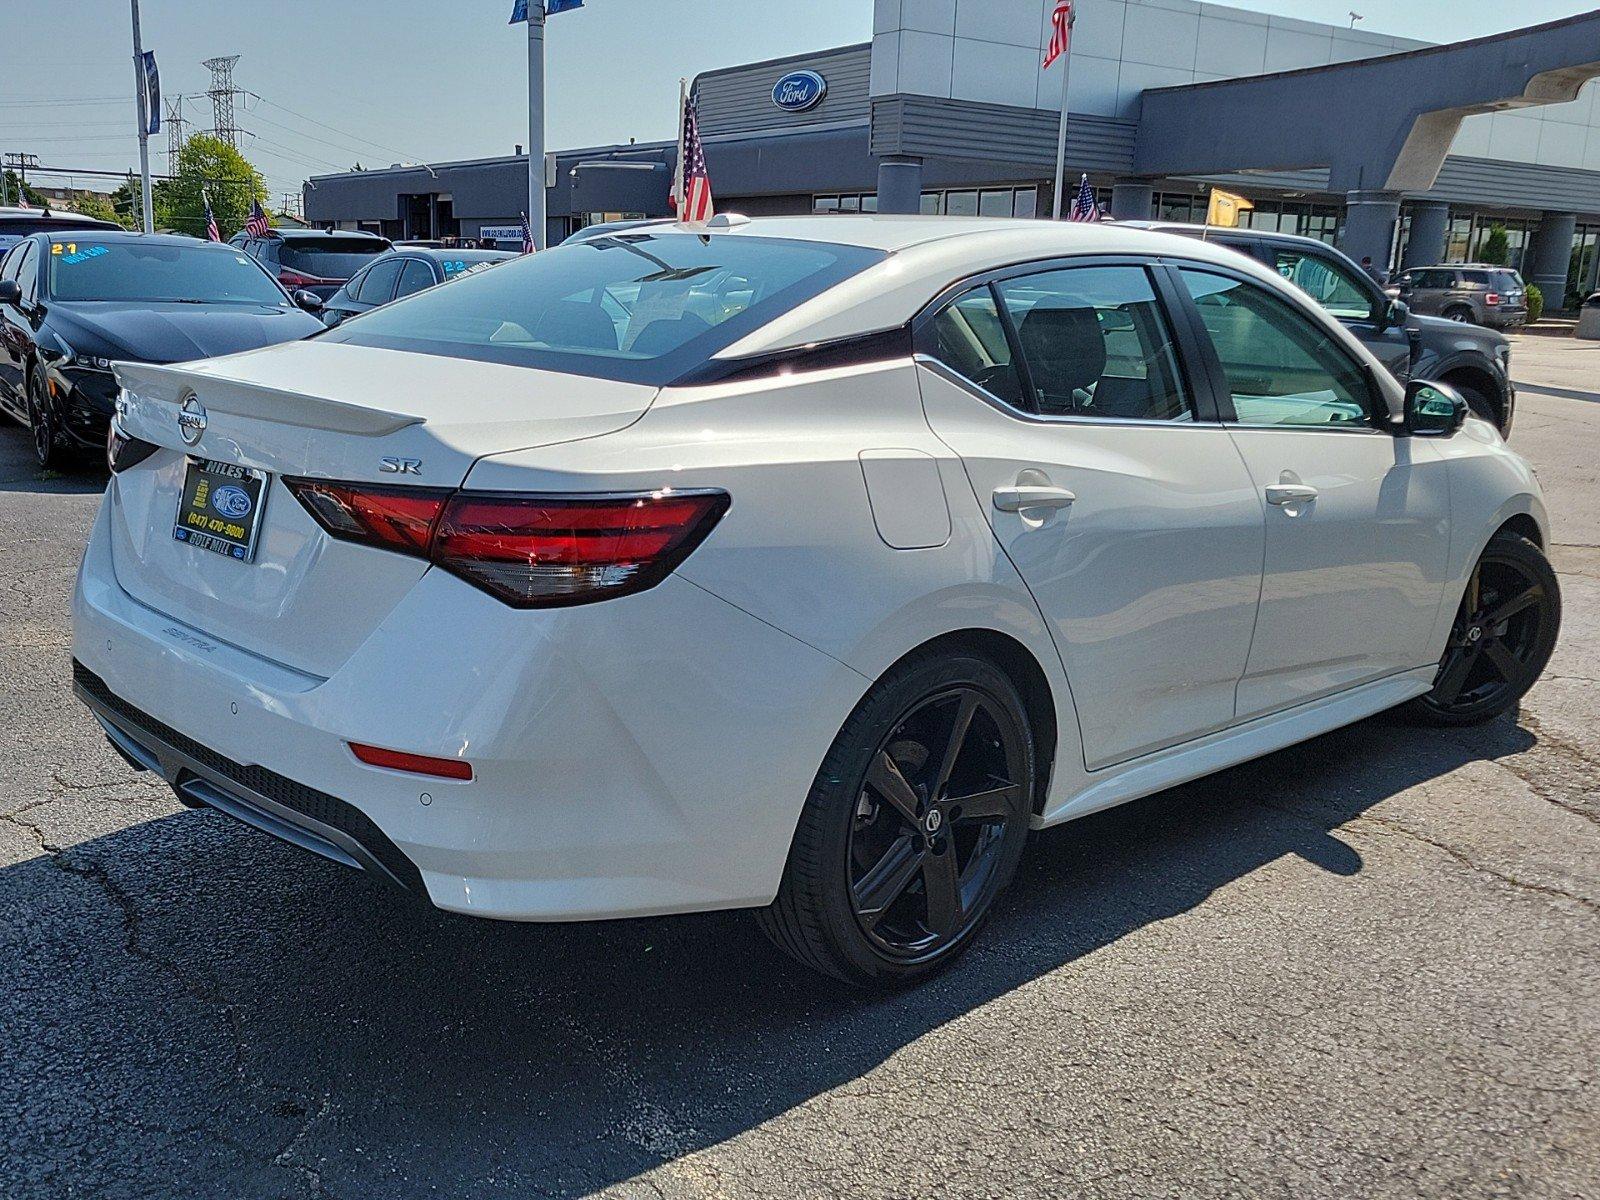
[(175, 127), (222, 93)]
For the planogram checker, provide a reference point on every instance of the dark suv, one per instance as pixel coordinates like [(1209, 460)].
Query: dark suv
[(1475, 293), (1474, 360), (320, 261)]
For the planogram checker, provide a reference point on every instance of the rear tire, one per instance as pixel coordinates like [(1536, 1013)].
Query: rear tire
[(914, 824), (1502, 638), (1459, 312)]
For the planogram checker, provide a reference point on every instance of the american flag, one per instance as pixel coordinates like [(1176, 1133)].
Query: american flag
[(1084, 207), (213, 234), (527, 235), (693, 184), (256, 224), (1060, 32), (22, 198)]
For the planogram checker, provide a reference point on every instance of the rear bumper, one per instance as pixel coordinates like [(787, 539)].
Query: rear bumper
[(646, 755)]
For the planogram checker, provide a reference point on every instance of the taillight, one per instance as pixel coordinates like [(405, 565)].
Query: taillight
[(528, 551), (123, 451), (293, 279), (1492, 298)]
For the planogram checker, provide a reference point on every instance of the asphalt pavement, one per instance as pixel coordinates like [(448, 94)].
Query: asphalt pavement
[(1366, 966)]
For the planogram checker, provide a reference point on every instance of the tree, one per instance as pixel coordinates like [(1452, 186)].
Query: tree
[(1496, 247), (208, 166), (96, 205), (15, 187)]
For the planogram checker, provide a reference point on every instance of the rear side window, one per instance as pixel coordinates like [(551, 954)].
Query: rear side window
[(415, 276), (377, 285), (1094, 344), (969, 337), (329, 258), (637, 307)]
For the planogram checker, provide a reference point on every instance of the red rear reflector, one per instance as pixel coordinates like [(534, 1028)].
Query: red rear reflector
[(417, 764), (528, 551)]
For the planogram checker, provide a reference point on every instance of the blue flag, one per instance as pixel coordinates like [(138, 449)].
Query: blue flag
[(519, 9), (152, 92)]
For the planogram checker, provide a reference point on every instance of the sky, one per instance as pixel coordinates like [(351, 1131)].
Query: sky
[(381, 81)]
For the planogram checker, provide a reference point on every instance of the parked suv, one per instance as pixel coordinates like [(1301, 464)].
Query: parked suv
[(319, 261), (1473, 360), (18, 223), (1474, 293)]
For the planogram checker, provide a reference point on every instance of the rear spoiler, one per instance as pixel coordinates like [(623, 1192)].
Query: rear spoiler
[(147, 382)]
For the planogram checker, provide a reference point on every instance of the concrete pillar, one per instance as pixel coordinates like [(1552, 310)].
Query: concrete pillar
[(1369, 220), (1550, 255), (1131, 200), (1430, 225), (900, 184)]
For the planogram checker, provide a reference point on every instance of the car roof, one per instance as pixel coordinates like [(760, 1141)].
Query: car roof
[(924, 255), (295, 235), (458, 255), (1240, 231), (116, 236), (54, 216)]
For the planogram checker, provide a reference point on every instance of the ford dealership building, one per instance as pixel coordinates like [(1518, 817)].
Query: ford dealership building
[(1403, 150)]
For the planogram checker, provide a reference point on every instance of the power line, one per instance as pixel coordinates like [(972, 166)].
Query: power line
[(332, 128)]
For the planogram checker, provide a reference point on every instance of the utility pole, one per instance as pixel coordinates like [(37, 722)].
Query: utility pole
[(141, 104), (222, 93)]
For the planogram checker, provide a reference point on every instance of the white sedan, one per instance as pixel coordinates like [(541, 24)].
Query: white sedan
[(794, 564)]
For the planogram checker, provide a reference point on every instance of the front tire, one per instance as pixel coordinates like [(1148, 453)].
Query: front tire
[(1503, 636), (914, 824), (48, 451)]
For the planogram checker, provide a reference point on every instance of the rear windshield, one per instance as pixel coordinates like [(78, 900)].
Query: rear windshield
[(637, 307), (330, 258), (86, 269)]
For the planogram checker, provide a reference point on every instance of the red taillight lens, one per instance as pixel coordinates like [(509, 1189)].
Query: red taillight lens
[(528, 551), (417, 764), (1492, 298), (533, 551), (393, 517), (293, 279)]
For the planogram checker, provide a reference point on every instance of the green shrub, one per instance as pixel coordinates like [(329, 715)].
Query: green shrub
[(1535, 303), (1496, 248)]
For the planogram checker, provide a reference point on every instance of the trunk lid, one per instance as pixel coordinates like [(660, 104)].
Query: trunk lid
[(334, 412)]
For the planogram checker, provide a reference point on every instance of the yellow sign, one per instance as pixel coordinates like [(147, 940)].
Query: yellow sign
[(1225, 207)]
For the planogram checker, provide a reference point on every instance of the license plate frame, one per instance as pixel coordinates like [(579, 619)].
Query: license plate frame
[(219, 508)]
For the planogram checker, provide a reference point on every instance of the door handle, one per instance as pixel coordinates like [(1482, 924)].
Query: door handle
[(1290, 493), (1015, 499)]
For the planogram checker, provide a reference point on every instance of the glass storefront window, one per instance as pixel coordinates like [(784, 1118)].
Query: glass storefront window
[(961, 204), (995, 203)]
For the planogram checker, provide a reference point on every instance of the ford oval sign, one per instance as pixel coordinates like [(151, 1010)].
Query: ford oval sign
[(799, 90), (231, 501)]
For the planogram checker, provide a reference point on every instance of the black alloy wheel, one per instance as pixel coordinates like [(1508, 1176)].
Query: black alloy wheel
[(47, 448), (914, 825), (1502, 637), (1459, 314)]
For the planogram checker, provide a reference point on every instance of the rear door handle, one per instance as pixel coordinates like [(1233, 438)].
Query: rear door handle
[(1015, 499), (1290, 493)]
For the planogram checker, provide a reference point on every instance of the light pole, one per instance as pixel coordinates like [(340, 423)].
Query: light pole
[(536, 222), (141, 104)]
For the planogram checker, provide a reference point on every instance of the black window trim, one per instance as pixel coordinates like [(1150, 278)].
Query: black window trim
[(1211, 363), (1181, 321)]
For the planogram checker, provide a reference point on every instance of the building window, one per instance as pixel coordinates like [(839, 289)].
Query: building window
[(850, 202), (987, 202)]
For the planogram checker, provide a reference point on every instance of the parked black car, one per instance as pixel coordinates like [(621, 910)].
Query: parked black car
[(401, 273), (18, 223), (1474, 360), (319, 261), (73, 303)]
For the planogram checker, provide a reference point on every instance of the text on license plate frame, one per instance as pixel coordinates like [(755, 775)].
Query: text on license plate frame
[(209, 508)]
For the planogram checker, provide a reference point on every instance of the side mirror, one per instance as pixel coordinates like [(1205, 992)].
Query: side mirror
[(1433, 409), (309, 301), (10, 291)]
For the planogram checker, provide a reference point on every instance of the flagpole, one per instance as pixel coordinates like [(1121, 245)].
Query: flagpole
[(1061, 132), (536, 218), (680, 175), (141, 104)]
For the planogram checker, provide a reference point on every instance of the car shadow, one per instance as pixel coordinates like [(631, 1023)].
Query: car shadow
[(211, 1012), (26, 476)]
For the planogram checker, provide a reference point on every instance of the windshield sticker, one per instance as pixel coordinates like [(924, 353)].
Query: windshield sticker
[(68, 252)]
